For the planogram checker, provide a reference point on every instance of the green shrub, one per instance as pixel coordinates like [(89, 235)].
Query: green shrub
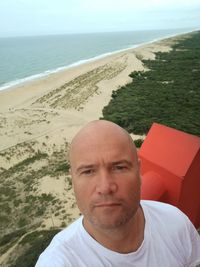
[(37, 241), (22, 222), (11, 236), (62, 167), (138, 142)]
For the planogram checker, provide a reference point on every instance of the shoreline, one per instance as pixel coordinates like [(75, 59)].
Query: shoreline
[(43, 75), (76, 95)]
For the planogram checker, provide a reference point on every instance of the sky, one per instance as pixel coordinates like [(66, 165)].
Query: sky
[(39, 17)]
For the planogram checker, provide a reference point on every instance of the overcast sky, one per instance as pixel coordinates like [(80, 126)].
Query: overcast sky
[(33, 17)]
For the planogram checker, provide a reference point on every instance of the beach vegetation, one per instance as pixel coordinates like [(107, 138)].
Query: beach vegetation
[(138, 142), (11, 236), (74, 94), (22, 222), (33, 244), (22, 204), (63, 167)]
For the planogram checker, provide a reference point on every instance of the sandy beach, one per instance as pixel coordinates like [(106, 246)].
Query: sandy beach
[(69, 98)]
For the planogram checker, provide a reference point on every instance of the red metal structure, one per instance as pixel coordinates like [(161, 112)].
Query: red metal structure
[(170, 168)]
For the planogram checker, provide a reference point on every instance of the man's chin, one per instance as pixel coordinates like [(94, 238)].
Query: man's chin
[(109, 222)]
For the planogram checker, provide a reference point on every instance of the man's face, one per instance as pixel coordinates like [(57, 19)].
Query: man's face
[(106, 180)]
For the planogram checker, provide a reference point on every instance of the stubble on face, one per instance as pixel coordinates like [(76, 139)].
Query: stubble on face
[(111, 218)]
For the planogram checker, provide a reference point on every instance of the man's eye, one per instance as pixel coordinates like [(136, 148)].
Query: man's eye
[(87, 172), (119, 167)]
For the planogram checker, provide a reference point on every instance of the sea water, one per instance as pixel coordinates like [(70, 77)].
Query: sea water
[(26, 58)]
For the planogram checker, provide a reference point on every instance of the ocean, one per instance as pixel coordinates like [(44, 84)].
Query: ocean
[(27, 58)]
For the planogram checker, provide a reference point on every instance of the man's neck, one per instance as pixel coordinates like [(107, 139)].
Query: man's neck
[(124, 239)]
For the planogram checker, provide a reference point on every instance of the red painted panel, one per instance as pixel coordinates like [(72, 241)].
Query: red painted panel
[(171, 149), (170, 168)]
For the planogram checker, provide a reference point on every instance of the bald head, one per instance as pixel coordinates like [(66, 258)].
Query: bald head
[(99, 133), (105, 169)]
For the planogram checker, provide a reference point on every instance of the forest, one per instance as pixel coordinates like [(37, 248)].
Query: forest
[(167, 93)]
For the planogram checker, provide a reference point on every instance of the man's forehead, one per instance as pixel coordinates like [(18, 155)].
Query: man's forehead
[(103, 154), (98, 130), (100, 136), (101, 146)]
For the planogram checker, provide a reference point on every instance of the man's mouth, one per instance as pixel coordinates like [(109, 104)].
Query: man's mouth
[(107, 204)]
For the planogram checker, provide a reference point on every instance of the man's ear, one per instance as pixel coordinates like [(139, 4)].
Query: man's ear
[(139, 164), (70, 173)]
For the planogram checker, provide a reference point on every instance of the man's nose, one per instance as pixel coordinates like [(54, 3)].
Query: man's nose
[(106, 183)]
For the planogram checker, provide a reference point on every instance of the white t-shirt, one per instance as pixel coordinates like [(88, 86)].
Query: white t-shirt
[(170, 240)]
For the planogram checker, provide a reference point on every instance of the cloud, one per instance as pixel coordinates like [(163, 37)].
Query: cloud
[(30, 16), (113, 5)]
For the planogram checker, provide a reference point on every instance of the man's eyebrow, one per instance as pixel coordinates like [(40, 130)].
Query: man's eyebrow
[(123, 161), (89, 166)]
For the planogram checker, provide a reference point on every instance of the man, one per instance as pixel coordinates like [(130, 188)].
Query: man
[(117, 229)]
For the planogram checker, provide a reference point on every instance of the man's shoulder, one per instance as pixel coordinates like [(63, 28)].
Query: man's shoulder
[(55, 254), (67, 233), (172, 230), (164, 213), (160, 207)]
